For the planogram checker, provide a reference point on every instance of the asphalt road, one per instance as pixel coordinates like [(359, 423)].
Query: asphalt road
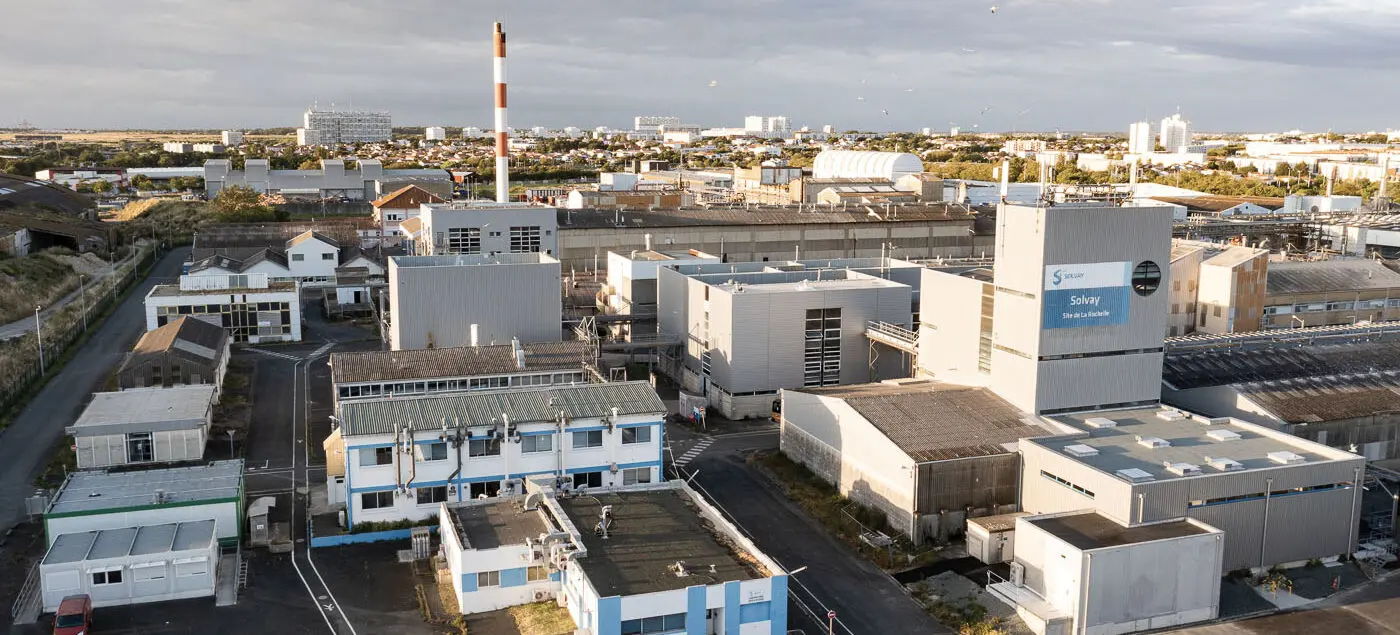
[(864, 598), (24, 445), (26, 325)]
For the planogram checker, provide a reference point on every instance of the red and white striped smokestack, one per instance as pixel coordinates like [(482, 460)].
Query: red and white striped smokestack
[(502, 137)]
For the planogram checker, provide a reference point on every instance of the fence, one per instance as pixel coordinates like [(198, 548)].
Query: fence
[(66, 326)]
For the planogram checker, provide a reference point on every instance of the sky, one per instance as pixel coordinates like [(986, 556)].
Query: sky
[(1228, 65)]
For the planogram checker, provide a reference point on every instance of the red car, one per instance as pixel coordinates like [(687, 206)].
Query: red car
[(74, 616)]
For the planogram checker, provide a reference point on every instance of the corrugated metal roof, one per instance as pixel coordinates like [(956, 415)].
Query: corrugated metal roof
[(1330, 275), (1220, 367), (148, 405), (1331, 398), (536, 405), (459, 361)]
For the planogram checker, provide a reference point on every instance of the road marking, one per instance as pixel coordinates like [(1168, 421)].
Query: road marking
[(693, 452), (276, 354), (322, 351)]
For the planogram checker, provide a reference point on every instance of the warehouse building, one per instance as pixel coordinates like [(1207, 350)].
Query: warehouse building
[(184, 352), (250, 307), (367, 181), (748, 330), (143, 426), (1330, 292), (93, 500), (404, 456), (465, 300), (131, 565), (1279, 499), (371, 374), (1345, 395), (927, 455), (652, 558)]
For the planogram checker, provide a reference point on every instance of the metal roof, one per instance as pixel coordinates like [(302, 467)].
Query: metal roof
[(1223, 366), (533, 405), (930, 421), (131, 541), (469, 260), (196, 337), (142, 406), (95, 490), (570, 219), (1328, 276), (1328, 398), (459, 361)]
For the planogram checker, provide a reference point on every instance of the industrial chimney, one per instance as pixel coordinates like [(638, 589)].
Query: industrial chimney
[(502, 140)]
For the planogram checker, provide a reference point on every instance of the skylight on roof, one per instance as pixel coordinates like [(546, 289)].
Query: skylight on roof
[(1100, 423), (1135, 475), (1081, 450)]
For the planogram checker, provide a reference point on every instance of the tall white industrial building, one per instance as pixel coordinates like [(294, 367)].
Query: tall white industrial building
[(332, 127), (653, 123), (1176, 133), (1140, 138)]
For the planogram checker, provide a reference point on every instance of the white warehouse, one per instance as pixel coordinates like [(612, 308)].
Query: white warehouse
[(465, 300), (132, 565), (144, 425)]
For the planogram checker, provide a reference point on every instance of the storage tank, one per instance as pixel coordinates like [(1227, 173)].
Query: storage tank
[(889, 166)]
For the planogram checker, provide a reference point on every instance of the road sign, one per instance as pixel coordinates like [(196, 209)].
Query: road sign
[(831, 615)]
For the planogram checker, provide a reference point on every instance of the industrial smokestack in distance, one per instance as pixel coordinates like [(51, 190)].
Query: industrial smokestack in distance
[(502, 137)]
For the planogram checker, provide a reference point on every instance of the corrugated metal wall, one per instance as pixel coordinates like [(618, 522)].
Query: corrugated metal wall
[(979, 483), (438, 305)]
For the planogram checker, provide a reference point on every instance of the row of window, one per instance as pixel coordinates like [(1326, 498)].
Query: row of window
[(1322, 307), (1067, 484), (447, 385), (493, 578), (149, 573), (440, 493), (659, 624), (467, 240), (301, 257), (209, 309), (529, 444), (1240, 498)]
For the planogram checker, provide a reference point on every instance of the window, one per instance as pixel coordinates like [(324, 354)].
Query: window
[(658, 624), (298, 257), (328, 256), (1067, 484), (525, 240), (488, 578), (536, 574), (432, 451), (107, 577), (484, 447), (1216, 310), (432, 495), (1147, 276), (589, 439), (636, 475), (588, 479), (821, 358), (139, 448), (376, 500), (464, 240), (483, 490), (1340, 306), (376, 456), (636, 435), (536, 443)]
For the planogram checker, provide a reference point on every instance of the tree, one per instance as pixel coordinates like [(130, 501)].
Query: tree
[(142, 182), (102, 186), (240, 204), (310, 164)]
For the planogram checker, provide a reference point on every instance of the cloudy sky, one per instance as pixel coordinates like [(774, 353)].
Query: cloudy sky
[(1031, 65)]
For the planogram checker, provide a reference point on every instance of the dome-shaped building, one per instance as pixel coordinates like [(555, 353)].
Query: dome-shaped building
[(889, 166)]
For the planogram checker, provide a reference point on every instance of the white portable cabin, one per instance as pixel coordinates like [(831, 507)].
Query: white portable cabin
[(132, 565), (992, 539)]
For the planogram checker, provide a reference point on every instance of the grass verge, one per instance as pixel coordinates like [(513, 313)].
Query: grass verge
[(542, 618)]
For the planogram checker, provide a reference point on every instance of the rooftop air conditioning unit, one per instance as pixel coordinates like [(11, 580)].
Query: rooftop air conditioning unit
[(1152, 442), (1170, 415), (1081, 450), (1135, 475), (1222, 434), (1224, 465), (1182, 469), (1100, 423), (1285, 457)]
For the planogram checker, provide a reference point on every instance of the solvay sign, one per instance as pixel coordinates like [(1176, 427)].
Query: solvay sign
[(1091, 294)]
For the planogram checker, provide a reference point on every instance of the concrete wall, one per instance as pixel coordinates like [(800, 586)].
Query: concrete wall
[(1153, 585), (435, 306), (494, 223), (950, 321), (1185, 279)]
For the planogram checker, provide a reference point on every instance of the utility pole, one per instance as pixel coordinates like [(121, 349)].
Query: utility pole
[(39, 333)]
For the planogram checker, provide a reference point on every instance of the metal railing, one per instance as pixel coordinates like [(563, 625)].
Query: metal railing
[(893, 335), (24, 605), (1288, 335)]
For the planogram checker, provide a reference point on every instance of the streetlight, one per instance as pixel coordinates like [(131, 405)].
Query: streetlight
[(231, 455), (83, 294), (39, 332)]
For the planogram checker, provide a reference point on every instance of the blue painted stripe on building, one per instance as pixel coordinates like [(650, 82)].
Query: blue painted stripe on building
[(586, 429), (371, 488), (753, 612), (537, 433), (605, 468), (695, 610), (555, 577), (370, 446), (610, 616), (513, 577), (778, 605), (338, 540), (629, 466), (731, 607), (468, 582), (638, 425)]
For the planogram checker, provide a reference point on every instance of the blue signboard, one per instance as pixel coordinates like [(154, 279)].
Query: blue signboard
[(1095, 294)]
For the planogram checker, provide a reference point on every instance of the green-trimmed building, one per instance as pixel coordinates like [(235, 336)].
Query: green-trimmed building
[(96, 500)]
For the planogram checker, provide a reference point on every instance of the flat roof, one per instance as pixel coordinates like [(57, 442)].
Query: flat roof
[(652, 530), (96, 490), (997, 523), (483, 408), (131, 541), (760, 215), (182, 405), (799, 286), (654, 255), (1119, 447), (491, 525), (1234, 256), (173, 290), (932, 421), (1329, 275), (459, 361), (1094, 531), (472, 260)]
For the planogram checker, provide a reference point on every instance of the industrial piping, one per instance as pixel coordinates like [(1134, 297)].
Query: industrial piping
[(502, 137)]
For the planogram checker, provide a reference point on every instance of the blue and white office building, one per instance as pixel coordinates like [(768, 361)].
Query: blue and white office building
[(403, 457)]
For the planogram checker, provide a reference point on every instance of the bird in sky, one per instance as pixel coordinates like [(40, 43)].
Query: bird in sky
[(860, 99), (714, 83), (909, 90), (883, 111), (969, 51), (994, 8), (985, 110)]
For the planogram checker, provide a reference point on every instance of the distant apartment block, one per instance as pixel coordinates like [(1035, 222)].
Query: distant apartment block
[(653, 123), (434, 133), (334, 127), (231, 138)]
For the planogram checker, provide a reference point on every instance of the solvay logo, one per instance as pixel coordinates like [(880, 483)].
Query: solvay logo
[(1060, 275)]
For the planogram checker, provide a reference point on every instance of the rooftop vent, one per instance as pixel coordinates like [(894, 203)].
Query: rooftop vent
[(1170, 415), (1224, 465), (1081, 450), (1100, 423), (1222, 434), (1134, 475), (1286, 458), (1182, 469), (1152, 442), (1212, 421)]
